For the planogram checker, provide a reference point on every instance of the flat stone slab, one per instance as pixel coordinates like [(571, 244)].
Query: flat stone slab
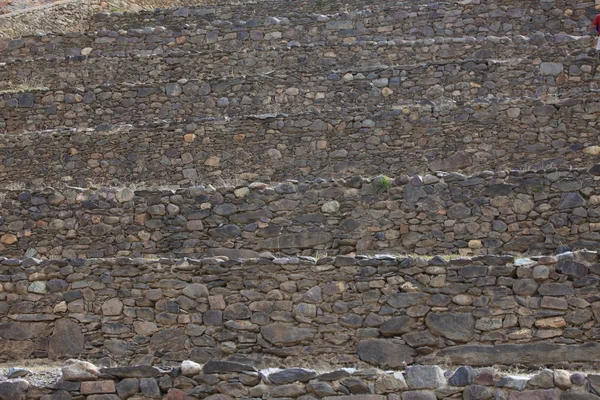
[(532, 353)]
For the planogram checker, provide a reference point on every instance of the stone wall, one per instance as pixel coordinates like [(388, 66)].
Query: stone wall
[(253, 95), (408, 18), (232, 380), (452, 79), (273, 147), (384, 311), (448, 213), (159, 40)]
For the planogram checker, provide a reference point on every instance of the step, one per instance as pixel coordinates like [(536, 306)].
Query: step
[(242, 95), (244, 335), (397, 48), (514, 75), (223, 36), (423, 136), (417, 17), (329, 360), (446, 213)]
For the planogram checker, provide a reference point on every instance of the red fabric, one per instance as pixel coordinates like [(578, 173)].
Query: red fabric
[(596, 23)]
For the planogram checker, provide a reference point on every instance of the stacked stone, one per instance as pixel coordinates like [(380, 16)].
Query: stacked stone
[(384, 311), (488, 213), (397, 89), (459, 79), (225, 380)]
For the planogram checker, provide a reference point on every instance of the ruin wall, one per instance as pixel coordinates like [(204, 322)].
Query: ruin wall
[(518, 212), (385, 311)]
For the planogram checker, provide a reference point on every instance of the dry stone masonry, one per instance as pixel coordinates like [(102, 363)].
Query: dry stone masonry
[(231, 380), (385, 311), (487, 213), (301, 200)]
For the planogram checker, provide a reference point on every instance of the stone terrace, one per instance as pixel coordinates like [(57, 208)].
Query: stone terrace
[(193, 185)]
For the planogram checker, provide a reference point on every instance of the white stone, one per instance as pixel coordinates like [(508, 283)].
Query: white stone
[(331, 207), (241, 192), (190, 368)]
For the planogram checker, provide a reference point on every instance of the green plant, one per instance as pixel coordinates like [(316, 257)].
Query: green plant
[(383, 183)]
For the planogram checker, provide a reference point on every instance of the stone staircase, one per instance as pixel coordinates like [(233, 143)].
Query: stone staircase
[(320, 184)]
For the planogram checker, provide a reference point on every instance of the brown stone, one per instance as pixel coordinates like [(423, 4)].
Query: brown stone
[(176, 394), (554, 322), (8, 238), (94, 387)]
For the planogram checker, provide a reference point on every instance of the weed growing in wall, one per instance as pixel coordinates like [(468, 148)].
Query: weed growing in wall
[(382, 183)]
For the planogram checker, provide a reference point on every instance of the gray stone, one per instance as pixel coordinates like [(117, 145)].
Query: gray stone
[(232, 253), (149, 388), (290, 390), (525, 287), (425, 377), (213, 317), (16, 372), (236, 311), (572, 268), (14, 390), (525, 354), (571, 200), (281, 334), (21, 330), (459, 327), (556, 289), (575, 395), (459, 211), (453, 162), (303, 240), (477, 392), (543, 110), (173, 89), (196, 291), (413, 194), (67, 340), (355, 385), (551, 68), (218, 367), (463, 376), (396, 326), (385, 353), (543, 379), (291, 375), (321, 389), (523, 243), (513, 382), (357, 397), (136, 371), (405, 300), (419, 395), (26, 100), (128, 387), (391, 383)]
